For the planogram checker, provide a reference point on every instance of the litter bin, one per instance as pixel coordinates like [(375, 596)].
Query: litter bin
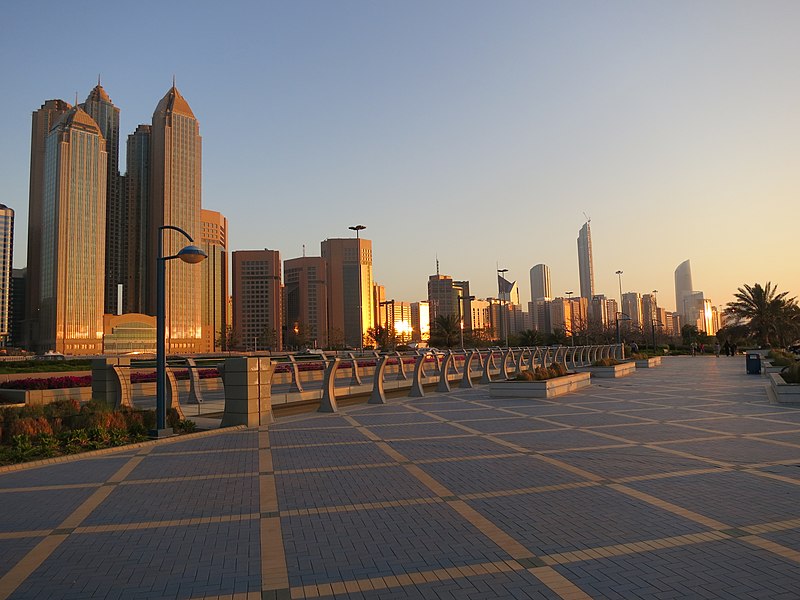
[(753, 364)]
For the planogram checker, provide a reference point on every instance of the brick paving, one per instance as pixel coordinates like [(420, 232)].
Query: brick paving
[(677, 482)]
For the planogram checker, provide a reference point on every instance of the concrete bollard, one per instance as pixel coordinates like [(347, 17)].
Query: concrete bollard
[(248, 391)]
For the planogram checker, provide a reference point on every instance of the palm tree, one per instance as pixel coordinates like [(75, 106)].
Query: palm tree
[(768, 315), (448, 328)]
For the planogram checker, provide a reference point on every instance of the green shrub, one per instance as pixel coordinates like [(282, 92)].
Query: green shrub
[(117, 437), (173, 418), (61, 409), (47, 445), (606, 362), (75, 440), (791, 374), (187, 426)]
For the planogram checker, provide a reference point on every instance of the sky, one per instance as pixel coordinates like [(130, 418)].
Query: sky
[(481, 133)]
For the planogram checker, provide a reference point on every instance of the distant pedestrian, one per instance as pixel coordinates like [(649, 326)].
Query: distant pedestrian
[(634, 347), (733, 349), (727, 348), (717, 348), (702, 348), (693, 347)]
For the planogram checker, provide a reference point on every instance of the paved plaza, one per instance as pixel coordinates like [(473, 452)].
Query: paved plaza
[(677, 482)]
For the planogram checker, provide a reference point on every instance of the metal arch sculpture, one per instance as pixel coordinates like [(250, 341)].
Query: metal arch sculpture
[(327, 403), (444, 383), (488, 364), (453, 364), (466, 379), (519, 360), (508, 356), (378, 395), (438, 359), (124, 398), (355, 378), (173, 399), (296, 385), (417, 390), (401, 368)]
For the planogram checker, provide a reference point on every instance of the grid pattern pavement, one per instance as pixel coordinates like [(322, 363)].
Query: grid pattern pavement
[(680, 481)]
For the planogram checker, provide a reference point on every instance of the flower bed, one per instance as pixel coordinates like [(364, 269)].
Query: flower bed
[(48, 383), (541, 382)]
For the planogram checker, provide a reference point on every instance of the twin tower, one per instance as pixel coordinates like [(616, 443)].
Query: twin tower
[(93, 232)]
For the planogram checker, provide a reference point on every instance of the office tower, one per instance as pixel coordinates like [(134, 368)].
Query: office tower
[(585, 265), (540, 282), (305, 304), (137, 192), (598, 311), (649, 309), (378, 301), (464, 306), (41, 122), (632, 306), (214, 279), (539, 310), (99, 106), (683, 288), (420, 321), (612, 308), (481, 319), (508, 290), (349, 276), (579, 316), (6, 250), (442, 297), (16, 310), (561, 314), (257, 299), (401, 321), (73, 237), (175, 169)]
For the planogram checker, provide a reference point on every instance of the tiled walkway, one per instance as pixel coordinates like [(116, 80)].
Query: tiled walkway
[(676, 482)]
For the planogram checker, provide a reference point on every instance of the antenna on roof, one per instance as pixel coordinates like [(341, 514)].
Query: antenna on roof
[(304, 250), (588, 218), (98, 79), (437, 264), (173, 80)]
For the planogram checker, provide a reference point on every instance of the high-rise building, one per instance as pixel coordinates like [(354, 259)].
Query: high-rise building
[(585, 264), (598, 311), (257, 299), (683, 289), (305, 295), (137, 193), (649, 310), (99, 106), (214, 279), (560, 314), (378, 302), (612, 309), (349, 277), (401, 321), (539, 310), (464, 303), (540, 282), (42, 122), (175, 177), (16, 311), (420, 321), (632, 306), (73, 237), (6, 251), (442, 296)]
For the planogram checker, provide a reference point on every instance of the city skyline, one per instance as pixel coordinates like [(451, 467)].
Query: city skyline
[(673, 158)]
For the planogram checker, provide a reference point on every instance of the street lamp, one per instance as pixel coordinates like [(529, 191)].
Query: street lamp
[(504, 325), (358, 229), (461, 315), (571, 320), (386, 304), (188, 254), (619, 274), (617, 316)]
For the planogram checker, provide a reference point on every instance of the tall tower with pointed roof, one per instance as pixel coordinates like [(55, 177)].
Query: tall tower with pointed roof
[(99, 106), (73, 236), (175, 170), (41, 123)]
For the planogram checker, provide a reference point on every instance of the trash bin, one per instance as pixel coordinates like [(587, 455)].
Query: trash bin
[(753, 364)]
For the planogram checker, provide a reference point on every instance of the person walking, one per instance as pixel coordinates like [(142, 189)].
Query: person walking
[(727, 348), (694, 348), (717, 348), (733, 349)]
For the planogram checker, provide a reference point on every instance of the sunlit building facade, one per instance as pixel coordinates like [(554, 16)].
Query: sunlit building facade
[(99, 106), (6, 256), (137, 193), (350, 295), (683, 289), (257, 299), (214, 279), (540, 282), (175, 175), (632, 307), (305, 302), (73, 237), (420, 321), (42, 122), (585, 261)]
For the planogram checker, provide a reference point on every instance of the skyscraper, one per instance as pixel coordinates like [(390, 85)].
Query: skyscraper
[(585, 265), (350, 294), (73, 236), (632, 306), (99, 106), (306, 301), (137, 193), (41, 123), (540, 282), (175, 170), (683, 290), (214, 279), (257, 299), (6, 250)]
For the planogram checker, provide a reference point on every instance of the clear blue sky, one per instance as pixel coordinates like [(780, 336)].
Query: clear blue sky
[(481, 131)]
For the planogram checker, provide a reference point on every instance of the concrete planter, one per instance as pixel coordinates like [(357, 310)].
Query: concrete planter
[(648, 363), (549, 388), (40, 397), (767, 368), (780, 392), (613, 372)]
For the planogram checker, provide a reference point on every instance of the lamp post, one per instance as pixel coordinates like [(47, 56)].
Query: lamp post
[(571, 319), (617, 316), (358, 229), (188, 254), (619, 275), (386, 303), (461, 315), (503, 324)]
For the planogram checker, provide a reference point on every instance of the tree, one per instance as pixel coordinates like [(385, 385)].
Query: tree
[(529, 337), (447, 330), (227, 339), (770, 317), (335, 338)]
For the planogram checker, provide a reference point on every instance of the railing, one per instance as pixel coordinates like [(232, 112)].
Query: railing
[(327, 378)]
